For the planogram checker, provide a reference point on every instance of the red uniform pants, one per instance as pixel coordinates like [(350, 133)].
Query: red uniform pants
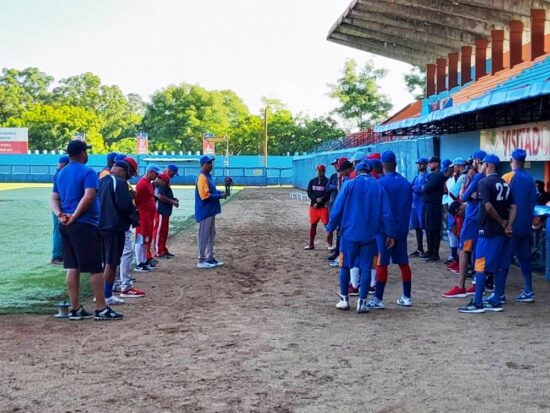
[(160, 235)]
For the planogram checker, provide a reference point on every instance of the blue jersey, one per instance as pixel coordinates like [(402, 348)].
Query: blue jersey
[(362, 211), (417, 183), (525, 197), (70, 184), (399, 192), (472, 204)]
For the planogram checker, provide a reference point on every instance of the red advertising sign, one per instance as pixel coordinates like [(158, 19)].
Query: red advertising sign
[(142, 144), (534, 138), (208, 148), (14, 140)]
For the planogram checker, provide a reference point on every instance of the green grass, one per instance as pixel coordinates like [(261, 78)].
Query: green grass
[(28, 283)]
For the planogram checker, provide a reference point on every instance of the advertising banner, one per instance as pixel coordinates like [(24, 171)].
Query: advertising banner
[(14, 140), (208, 148), (534, 138), (142, 143)]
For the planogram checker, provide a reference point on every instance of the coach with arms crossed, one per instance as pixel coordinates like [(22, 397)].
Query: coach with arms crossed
[(75, 205)]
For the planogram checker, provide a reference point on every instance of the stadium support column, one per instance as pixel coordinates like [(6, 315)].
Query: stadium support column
[(441, 74), (537, 32), (516, 37), (497, 43), (481, 57), (465, 64), (453, 70), (430, 79)]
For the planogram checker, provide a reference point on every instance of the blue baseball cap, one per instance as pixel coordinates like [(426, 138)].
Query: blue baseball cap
[(173, 168), (459, 161), (388, 157), (153, 167), (120, 157), (358, 156), (446, 163), (63, 159), (364, 165), (492, 159), (207, 158), (479, 154), (111, 156), (519, 154), (422, 161)]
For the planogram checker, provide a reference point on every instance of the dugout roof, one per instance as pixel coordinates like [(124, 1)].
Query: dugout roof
[(420, 31)]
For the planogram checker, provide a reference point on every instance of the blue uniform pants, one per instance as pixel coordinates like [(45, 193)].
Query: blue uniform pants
[(520, 247)]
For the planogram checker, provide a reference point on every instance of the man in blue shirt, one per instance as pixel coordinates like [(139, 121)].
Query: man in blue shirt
[(497, 213), (362, 212), (74, 203), (57, 243), (399, 192), (417, 210), (207, 206), (525, 197)]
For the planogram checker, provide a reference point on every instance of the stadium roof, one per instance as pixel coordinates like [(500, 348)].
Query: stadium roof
[(420, 31)]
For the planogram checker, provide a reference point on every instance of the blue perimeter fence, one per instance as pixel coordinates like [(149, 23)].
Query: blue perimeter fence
[(244, 170)]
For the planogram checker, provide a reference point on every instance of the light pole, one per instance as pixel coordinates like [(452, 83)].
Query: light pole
[(266, 111)]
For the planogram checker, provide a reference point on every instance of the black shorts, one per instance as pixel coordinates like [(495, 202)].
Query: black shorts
[(81, 247), (112, 245)]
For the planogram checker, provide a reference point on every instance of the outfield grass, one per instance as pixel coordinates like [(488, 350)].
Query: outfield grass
[(28, 283)]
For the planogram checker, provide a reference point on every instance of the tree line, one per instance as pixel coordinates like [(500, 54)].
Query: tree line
[(177, 116)]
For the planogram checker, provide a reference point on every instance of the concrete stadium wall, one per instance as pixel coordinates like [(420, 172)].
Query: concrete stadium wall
[(407, 151), (245, 170)]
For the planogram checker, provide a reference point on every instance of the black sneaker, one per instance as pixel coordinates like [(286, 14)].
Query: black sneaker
[(433, 258), (151, 263), (79, 314), (169, 255), (142, 268), (472, 308), (333, 257), (107, 314), (424, 255), (489, 306), (416, 253)]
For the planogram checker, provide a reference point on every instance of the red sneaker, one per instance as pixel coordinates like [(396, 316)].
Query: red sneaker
[(455, 292), (471, 290), (353, 291), (453, 266), (132, 292)]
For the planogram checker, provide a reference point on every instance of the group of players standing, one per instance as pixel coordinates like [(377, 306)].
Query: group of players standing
[(94, 216), (371, 208)]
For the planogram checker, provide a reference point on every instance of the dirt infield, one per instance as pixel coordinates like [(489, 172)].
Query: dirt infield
[(262, 334)]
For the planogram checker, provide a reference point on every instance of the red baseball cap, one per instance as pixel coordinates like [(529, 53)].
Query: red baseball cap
[(340, 162), (164, 176), (374, 155), (133, 164), (321, 168)]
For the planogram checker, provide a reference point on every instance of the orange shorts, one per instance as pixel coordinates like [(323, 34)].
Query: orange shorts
[(318, 214)]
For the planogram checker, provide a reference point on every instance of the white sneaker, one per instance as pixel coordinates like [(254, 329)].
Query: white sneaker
[(362, 306), (343, 304), (404, 301), (204, 265), (375, 305), (216, 263), (114, 300)]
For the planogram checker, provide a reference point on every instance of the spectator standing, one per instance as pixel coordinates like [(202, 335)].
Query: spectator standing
[(57, 242), (417, 210), (433, 213)]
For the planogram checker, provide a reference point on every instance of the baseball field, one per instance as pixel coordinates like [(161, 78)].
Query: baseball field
[(261, 334), (29, 284)]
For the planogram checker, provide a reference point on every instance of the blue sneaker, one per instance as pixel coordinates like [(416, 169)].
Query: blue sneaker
[(491, 298), (472, 308), (525, 297)]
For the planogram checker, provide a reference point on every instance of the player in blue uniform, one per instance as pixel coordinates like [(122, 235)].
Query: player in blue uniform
[(525, 196), (468, 234), (362, 211), (417, 212), (496, 218), (399, 192)]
